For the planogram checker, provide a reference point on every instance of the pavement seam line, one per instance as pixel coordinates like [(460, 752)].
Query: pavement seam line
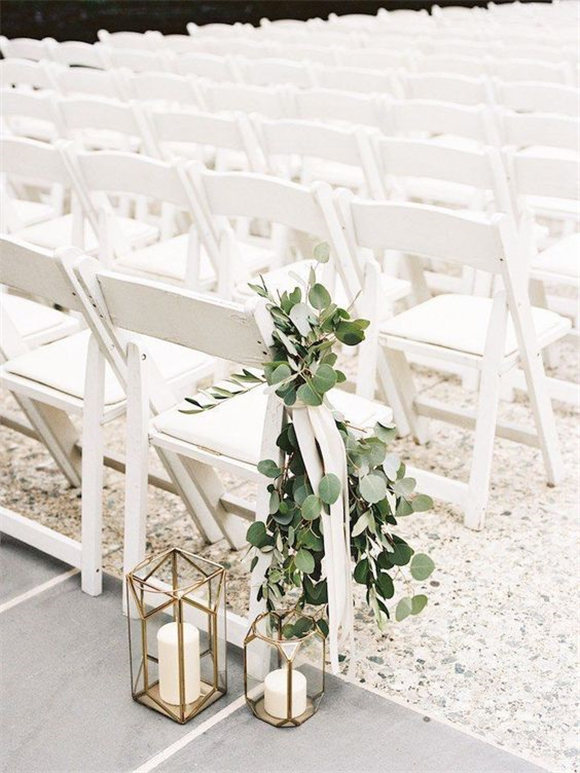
[(37, 590), (180, 744)]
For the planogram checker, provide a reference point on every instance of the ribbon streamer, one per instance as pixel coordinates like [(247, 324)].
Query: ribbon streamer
[(323, 452)]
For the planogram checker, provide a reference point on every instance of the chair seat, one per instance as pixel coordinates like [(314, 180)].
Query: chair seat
[(37, 323), (168, 260), (460, 323), (244, 414), (562, 258), (61, 365), (31, 212), (59, 233)]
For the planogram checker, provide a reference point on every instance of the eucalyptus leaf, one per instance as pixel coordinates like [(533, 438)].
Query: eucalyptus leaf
[(418, 604), (319, 297), (311, 508), (256, 534), (324, 378), (299, 315), (404, 609), (421, 566), (421, 503), (321, 252), (307, 395), (269, 468), (373, 488), (304, 561), (329, 488)]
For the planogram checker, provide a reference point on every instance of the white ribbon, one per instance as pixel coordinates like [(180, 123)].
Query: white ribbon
[(323, 452)]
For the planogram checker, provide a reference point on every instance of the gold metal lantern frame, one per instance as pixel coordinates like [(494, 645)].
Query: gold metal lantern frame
[(185, 595), (297, 658)]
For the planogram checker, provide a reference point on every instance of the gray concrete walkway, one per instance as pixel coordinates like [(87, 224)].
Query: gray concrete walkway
[(66, 703)]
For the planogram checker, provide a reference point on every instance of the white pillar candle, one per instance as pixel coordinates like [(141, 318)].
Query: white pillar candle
[(276, 693), (168, 654)]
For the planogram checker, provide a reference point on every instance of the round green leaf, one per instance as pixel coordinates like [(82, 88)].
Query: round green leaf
[(269, 468), (418, 604), (322, 626), (256, 534), (319, 296), (404, 609), (306, 394), (404, 487), (281, 373), (361, 571), (391, 466), (350, 333), (302, 626), (385, 585), (421, 566), (304, 561), (311, 508), (373, 488), (324, 378), (274, 502), (299, 315), (329, 488), (321, 252), (421, 503)]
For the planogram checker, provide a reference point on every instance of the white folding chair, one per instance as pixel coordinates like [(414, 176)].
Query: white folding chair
[(139, 41), (68, 378), (457, 89), (267, 72), (340, 108), (137, 60), (377, 59), (195, 447), (90, 82), (30, 114), (163, 89), (179, 43), (205, 65), (220, 141), (36, 183), (309, 151), (269, 101), (452, 64), (98, 123), (26, 48), (535, 131), (25, 74), (528, 97), (463, 127), (358, 80), (492, 336), (73, 53), (531, 70)]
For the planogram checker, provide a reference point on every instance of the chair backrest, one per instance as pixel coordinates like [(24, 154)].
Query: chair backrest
[(145, 41), (532, 70), (179, 43), (26, 48), (357, 80), (22, 72), (266, 72), (204, 65), (138, 60), (521, 130), (163, 87), (76, 54), (528, 97), (283, 140), (173, 130), (458, 89), (39, 106), (37, 272), (339, 107), (452, 64), (425, 231), (376, 58), (74, 81), (426, 118), (325, 55), (30, 159), (535, 173), (269, 101), (105, 117), (479, 169)]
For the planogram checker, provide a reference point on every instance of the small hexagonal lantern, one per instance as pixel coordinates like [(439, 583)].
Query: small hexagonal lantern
[(177, 633), (284, 667)]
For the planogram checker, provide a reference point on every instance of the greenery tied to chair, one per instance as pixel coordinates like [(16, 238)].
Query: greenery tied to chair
[(307, 326)]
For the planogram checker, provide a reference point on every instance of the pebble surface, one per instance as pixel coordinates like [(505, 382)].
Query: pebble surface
[(495, 651)]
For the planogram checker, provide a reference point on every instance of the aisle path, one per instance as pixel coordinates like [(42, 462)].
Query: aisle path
[(67, 707)]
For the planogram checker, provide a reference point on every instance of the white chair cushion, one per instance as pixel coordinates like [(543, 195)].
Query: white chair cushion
[(561, 258), (168, 259), (58, 232), (30, 212), (460, 322), (62, 365), (37, 321), (234, 427)]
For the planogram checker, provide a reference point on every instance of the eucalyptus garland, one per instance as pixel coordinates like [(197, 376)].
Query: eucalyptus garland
[(307, 327)]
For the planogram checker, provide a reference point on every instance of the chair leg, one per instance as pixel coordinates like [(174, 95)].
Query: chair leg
[(402, 382), (92, 470)]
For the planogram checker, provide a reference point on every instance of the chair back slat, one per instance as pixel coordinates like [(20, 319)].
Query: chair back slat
[(206, 324), (35, 272)]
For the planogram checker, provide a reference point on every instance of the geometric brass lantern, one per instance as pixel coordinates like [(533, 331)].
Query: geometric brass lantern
[(284, 668), (177, 633)]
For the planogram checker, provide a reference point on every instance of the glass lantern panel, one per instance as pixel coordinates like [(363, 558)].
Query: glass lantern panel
[(309, 661)]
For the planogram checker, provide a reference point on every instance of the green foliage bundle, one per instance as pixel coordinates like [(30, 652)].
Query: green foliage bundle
[(307, 326)]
